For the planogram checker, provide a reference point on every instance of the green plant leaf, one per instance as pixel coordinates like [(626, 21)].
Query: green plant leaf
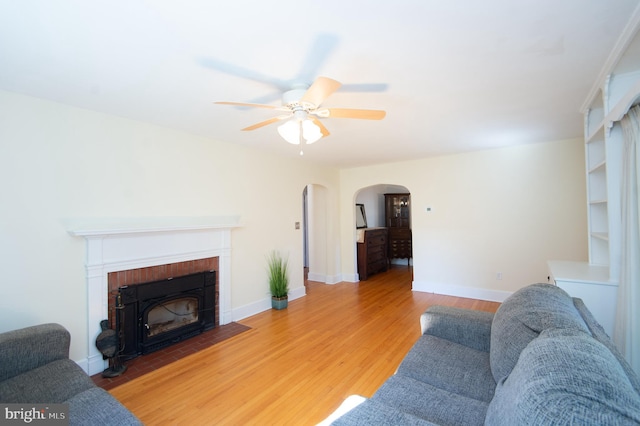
[(278, 274)]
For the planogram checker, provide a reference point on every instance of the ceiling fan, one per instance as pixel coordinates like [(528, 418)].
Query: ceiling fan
[(302, 107)]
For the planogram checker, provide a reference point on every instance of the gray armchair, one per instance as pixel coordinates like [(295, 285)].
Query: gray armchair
[(35, 368)]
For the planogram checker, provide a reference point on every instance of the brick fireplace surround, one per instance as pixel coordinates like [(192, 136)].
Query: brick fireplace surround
[(160, 272), (149, 245)]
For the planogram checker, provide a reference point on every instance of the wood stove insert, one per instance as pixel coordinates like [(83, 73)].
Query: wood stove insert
[(154, 315)]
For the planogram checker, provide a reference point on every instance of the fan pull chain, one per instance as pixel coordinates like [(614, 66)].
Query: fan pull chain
[(301, 137)]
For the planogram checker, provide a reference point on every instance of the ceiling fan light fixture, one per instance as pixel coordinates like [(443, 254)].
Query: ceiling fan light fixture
[(310, 132), (293, 130), (290, 132)]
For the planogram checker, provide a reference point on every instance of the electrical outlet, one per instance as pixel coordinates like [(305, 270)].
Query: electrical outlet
[(499, 276)]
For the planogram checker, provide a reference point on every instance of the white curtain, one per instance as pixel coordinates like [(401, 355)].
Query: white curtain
[(627, 327)]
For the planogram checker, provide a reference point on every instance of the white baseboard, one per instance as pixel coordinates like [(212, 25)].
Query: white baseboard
[(461, 291), (351, 278), (327, 279), (333, 279), (314, 276), (401, 262), (250, 309), (263, 305), (93, 365)]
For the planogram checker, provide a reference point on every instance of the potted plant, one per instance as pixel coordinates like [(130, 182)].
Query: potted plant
[(278, 280)]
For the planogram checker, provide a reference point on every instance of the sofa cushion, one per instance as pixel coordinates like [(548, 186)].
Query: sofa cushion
[(464, 326), (521, 318), (430, 403), (565, 377), (96, 406), (52, 383), (450, 366), (379, 414)]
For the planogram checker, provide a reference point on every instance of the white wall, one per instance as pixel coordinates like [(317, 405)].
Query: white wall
[(505, 210), (373, 209), (59, 162)]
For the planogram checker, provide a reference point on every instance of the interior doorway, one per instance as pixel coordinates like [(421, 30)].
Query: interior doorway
[(314, 232), (373, 198), (305, 235)]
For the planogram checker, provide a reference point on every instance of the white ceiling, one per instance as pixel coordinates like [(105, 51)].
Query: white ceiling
[(452, 75)]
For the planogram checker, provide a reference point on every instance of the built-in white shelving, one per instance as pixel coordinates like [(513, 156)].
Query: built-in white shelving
[(616, 90)]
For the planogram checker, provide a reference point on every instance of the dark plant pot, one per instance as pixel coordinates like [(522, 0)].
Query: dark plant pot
[(279, 302)]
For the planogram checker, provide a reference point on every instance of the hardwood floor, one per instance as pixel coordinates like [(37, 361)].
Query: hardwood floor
[(294, 367)]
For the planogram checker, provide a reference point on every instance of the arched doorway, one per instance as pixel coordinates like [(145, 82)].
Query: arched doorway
[(373, 199)]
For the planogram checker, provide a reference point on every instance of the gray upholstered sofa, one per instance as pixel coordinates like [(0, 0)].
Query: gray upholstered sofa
[(541, 359), (35, 368)]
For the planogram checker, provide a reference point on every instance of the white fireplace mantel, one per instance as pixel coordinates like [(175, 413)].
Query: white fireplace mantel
[(117, 244), (87, 227)]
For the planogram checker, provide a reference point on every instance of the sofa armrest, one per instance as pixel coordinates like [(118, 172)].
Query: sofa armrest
[(601, 336), (464, 326), (28, 348)]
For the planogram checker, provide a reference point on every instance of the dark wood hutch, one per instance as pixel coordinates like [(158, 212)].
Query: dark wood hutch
[(398, 221)]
